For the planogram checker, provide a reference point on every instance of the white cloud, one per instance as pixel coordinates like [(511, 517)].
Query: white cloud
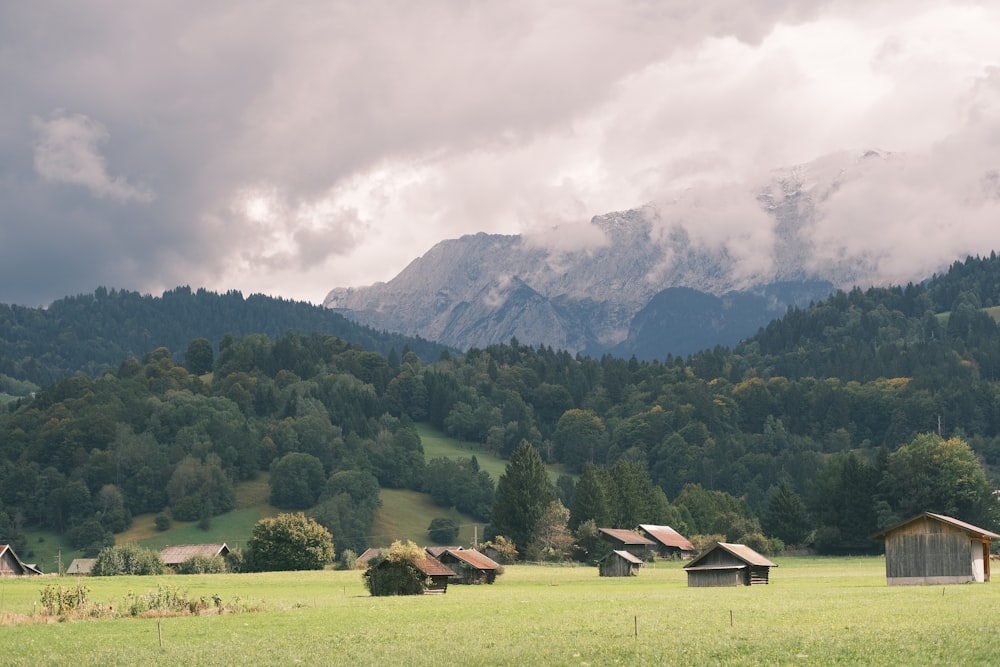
[(67, 151)]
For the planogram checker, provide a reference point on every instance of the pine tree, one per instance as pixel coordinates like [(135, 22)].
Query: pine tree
[(523, 494)]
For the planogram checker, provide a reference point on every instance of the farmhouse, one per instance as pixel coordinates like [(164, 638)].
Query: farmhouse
[(620, 563), (175, 555), (628, 540), (669, 543), (935, 549), (12, 566), (726, 564), (471, 567)]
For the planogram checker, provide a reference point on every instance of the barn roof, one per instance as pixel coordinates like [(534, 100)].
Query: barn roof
[(433, 568), (437, 551), (179, 553), (967, 527), (635, 560), (626, 536), (739, 551), (81, 566), (474, 558), (368, 554), (667, 536)]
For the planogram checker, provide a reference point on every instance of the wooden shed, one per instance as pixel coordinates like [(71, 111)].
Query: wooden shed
[(437, 573), (620, 563), (12, 566), (669, 543), (470, 566), (726, 564), (628, 540), (81, 566), (935, 549)]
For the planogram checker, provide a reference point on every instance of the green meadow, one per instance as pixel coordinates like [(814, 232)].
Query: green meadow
[(816, 611)]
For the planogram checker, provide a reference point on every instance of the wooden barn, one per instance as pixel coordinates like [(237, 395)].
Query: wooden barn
[(81, 566), (12, 566), (935, 549), (620, 563), (175, 555), (628, 540), (669, 543), (470, 566), (726, 564)]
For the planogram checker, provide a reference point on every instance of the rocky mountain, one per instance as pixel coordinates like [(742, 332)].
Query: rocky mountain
[(743, 255)]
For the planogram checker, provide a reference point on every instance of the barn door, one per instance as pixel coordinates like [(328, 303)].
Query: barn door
[(978, 564)]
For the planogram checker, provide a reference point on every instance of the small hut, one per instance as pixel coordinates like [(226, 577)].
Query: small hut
[(620, 563), (81, 566), (437, 572), (669, 543), (627, 540), (935, 549), (471, 567), (12, 566), (726, 564)]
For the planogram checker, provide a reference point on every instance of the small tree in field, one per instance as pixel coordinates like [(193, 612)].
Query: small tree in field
[(443, 530), (289, 542)]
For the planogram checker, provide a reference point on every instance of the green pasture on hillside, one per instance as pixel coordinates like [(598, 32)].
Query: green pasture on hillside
[(816, 611)]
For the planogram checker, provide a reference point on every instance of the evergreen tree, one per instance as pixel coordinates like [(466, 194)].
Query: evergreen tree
[(523, 494), (590, 502), (785, 516)]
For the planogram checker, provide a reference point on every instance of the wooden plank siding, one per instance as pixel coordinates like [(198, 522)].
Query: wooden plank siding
[(928, 550)]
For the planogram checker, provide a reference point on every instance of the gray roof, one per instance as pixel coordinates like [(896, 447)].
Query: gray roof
[(179, 553), (967, 527), (740, 551)]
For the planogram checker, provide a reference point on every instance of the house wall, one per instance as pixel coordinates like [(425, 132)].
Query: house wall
[(616, 567), (712, 578), (928, 552), (9, 567)]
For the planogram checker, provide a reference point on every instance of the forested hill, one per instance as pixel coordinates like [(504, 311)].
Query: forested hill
[(841, 419), (91, 333)]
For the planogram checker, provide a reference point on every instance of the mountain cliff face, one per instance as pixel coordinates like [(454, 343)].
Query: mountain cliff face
[(609, 295)]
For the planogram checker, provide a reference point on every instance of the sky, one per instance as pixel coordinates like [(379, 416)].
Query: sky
[(287, 148)]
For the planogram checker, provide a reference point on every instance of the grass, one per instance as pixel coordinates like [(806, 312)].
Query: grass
[(817, 611), (405, 515)]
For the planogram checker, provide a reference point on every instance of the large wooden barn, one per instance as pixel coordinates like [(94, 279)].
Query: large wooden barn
[(726, 564), (935, 549)]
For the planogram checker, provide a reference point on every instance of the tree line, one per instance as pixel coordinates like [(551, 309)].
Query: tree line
[(813, 432)]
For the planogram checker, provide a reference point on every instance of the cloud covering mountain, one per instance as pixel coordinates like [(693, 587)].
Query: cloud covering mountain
[(284, 148)]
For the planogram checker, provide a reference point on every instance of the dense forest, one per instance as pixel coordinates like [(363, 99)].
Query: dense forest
[(92, 333), (835, 421)]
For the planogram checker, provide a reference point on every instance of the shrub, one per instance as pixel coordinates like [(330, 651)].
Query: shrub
[(394, 573), (202, 565), (127, 559), (443, 530), (162, 522)]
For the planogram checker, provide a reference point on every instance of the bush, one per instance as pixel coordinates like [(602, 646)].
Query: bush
[(127, 559), (202, 565), (162, 522), (289, 542), (443, 530), (394, 573)]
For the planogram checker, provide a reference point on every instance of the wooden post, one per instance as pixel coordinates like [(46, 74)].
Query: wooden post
[(730, 618), (636, 627), (159, 632)]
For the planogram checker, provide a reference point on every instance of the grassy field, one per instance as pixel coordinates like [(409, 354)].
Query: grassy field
[(816, 611)]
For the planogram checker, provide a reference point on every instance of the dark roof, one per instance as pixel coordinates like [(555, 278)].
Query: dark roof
[(179, 553), (81, 566), (667, 536), (740, 551), (967, 527), (635, 560), (626, 536), (473, 558), (433, 568)]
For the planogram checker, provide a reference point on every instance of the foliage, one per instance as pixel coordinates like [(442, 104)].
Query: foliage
[(393, 572), (297, 479), (504, 550), (551, 540), (443, 530), (289, 542), (460, 484), (127, 559), (523, 494), (202, 565), (57, 600)]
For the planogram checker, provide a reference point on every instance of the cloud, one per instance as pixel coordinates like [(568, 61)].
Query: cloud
[(67, 152), (376, 129)]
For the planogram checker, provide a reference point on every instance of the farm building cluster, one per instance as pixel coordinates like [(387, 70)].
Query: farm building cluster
[(444, 565)]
